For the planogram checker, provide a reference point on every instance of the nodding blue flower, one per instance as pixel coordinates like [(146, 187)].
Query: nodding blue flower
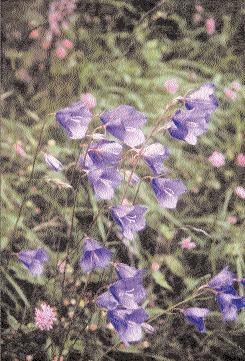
[(107, 300), (168, 191), (129, 324), (104, 153), (196, 316), (187, 124), (229, 305), (52, 162), (131, 219), (154, 155), (34, 260), (223, 281), (242, 282), (123, 123), (104, 182), (75, 120), (94, 256), (125, 271)]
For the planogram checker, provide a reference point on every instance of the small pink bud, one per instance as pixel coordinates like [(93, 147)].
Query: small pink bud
[(68, 44), (240, 192), (199, 8), (229, 93), (217, 159), (155, 266), (240, 160), (89, 100), (232, 219), (34, 34), (235, 85), (187, 244), (171, 86), (197, 18), (46, 44), (60, 52), (210, 26), (19, 149)]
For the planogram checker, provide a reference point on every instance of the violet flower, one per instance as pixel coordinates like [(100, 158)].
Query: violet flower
[(131, 219), (154, 155), (104, 153), (229, 305), (104, 182), (123, 123), (168, 191), (94, 256), (52, 162), (125, 271), (74, 119), (222, 281), (196, 316), (34, 260)]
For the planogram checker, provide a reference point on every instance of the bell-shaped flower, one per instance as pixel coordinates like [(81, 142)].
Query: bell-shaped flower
[(104, 182), (94, 255), (229, 305), (123, 123), (154, 155), (223, 281), (168, 191), (34, 260), (131, 219), (196, 316), (52, 162), (104, 153), (75, 120), (202, 98), (125, 271)]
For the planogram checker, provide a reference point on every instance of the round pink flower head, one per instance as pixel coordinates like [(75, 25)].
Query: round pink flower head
[(232, 219), (229, 93), (68, 44), (60, 52), (171, 86), (89, 100), (240, 160), (210, 26), (217, 159), (34, 34), (186, 243), (45, 317), (240, 192)]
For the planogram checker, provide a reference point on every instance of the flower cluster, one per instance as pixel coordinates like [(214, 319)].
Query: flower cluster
[(45, 316)]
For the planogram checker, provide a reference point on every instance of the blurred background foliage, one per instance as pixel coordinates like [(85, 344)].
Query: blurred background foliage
[(123, 52)]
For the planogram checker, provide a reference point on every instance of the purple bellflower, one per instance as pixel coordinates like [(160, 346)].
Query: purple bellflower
[(123, 123), (242, 281), (104, 153), (168, 191), (94, 256), (129, 324), (154, 155), (34, 260), (223, 281), (52, 162), (125, 271), (75, 120), (131, 219), (196, 316), (229, 305), (203, 98), (104, 182)]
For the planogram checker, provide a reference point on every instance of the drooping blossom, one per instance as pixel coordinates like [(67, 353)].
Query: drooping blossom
[(104, 182), (89, 100), (202, 99), (45, 316), (210, 26), (229, 305), (240, 192), (68, 44), (223, 280), (125, 271), (171, 86), (196, 316), (131, 219), (186, 243), (105, 153), (129, 324), (229, 93), (34, 260), (154, 155), (94, 256), (60, 52), (74, 119), (123, 123), (52, 162), (168, 191), (217, 159), (240, 160)]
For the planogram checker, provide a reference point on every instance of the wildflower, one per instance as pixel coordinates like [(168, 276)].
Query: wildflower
[(202, 99), (196, 316), (52, 162), (240, 192), (105, 153), (229, 305), (154, 155), (155, 266), (187, 244), (68, 44), (130, 177), (232, 219), (240, 160), (171, 86), (168, 191), (210, 26), (229, 93), (74, 119), (45, 316), (60, 52), (131, 219), (217, 159), (128, 292), (94, 256), (125, 271), (222, 281), (20, 150), (34, 34), (89, 100), (104, 182), (129, 324), (123, 123), (34, 260)]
